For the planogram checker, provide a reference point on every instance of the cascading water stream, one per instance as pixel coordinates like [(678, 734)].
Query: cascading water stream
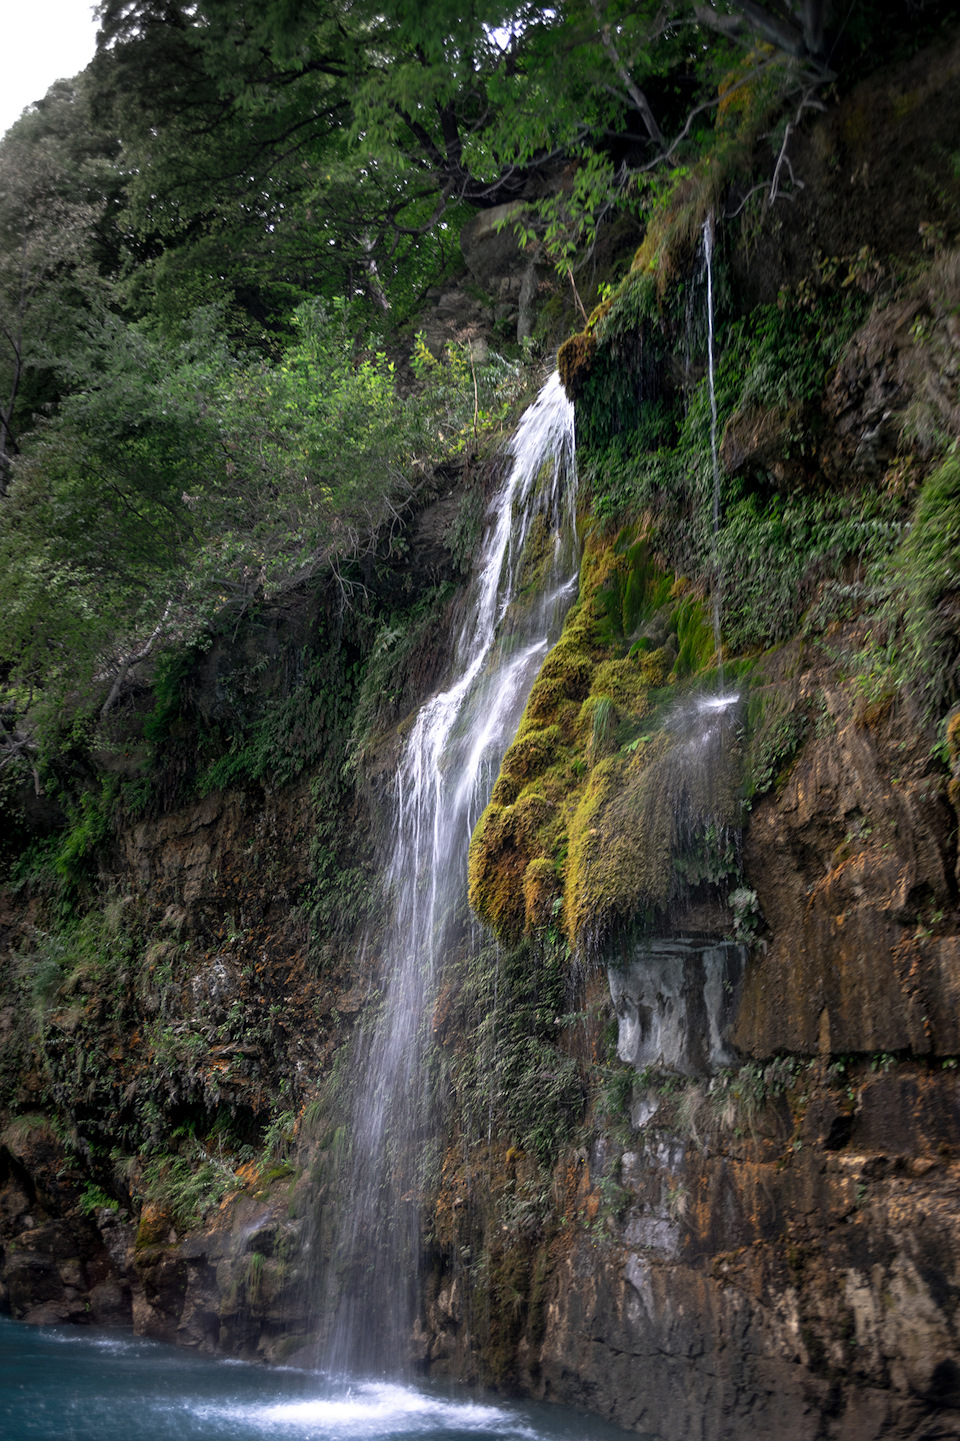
[(444, 779), (715, 547)]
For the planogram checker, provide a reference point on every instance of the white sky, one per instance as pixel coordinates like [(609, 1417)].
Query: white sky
[(41, 41)]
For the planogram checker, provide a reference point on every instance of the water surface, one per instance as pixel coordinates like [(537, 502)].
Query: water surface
[(79, 1385)]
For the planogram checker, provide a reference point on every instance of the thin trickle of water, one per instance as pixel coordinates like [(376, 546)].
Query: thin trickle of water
[(699, 777), (444, 780), (715, 555)]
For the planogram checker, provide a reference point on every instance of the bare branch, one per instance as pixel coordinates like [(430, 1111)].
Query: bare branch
[(783, 159), (636, 94), (808, 101), (13, 744), (712, 104), (132, 660)]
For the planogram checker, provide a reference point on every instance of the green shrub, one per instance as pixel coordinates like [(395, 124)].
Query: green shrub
[(95, 1199), (90, 825), (654, 458), (186, 1191)]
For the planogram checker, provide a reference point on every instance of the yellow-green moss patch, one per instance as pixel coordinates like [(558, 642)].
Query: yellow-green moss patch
[(544, 701), (532, 752), (623, 682), (569, 667), (587, 808), (541, 888)]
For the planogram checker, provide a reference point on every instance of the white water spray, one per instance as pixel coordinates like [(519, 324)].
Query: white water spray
[(715, 555), (444, 780)]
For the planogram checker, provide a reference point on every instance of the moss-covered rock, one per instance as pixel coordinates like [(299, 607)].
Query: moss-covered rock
[(598, 805), (623, 681), (532, 752), (574, 359), (568, 667), (541, 888)]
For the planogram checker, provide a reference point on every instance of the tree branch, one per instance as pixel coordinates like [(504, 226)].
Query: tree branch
[(636, 94), (131, 661)]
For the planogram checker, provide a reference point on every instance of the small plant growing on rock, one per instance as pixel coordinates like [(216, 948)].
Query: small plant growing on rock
[(746, 914)]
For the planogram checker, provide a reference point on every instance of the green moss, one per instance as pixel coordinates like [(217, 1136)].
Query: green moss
[(596, 805), (776, 728), (634, 302), (927, 565), (544, 700), (621, 680), (537, 555), (619, 852), (507, 840), (646, 586), (574, 362), (598, 724), (569, 667), (541, 887), (646, 829), (623, 588), (495, 872), (696, 643), (505, 790), (533, 752), (531, 818), (655, 666)]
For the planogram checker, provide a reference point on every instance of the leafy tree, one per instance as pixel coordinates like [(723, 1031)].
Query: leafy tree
[(240, 190), (54, 174), (176, 483), (298, 147), (96, 530), (192, 445)]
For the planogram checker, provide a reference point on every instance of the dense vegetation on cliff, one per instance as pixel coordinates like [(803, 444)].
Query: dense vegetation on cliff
[(213, 236), (244, 469)]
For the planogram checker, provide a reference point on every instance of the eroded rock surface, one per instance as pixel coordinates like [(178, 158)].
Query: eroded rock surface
[(675, 1000)]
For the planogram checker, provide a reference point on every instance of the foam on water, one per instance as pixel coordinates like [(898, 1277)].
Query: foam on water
[(372, 1410), (83, 1385)]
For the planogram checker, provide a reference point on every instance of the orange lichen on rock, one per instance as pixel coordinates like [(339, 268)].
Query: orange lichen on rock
[(953, 754)]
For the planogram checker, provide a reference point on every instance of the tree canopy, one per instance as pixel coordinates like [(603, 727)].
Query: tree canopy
[(305, 142), (202, 237)]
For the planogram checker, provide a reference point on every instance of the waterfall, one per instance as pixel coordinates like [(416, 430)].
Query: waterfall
[(714, 554), (445, 775)]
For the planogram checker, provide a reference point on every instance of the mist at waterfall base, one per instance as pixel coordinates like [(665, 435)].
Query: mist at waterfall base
[(76, 1385)]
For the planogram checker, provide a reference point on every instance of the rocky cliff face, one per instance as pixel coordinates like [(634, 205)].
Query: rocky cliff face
[(720, 1196), (757, 1233), (772, 1247)]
